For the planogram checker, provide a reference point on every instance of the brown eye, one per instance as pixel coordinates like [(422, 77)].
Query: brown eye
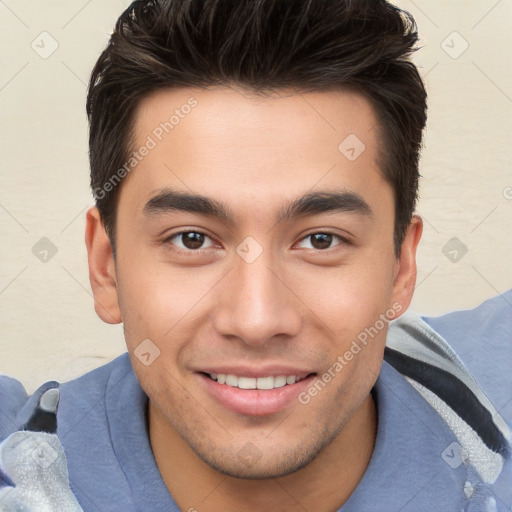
[(191, 240), (321, 241)]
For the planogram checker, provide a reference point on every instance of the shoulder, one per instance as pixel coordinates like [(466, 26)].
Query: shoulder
[(456, 362), (482, 338), (12, 398), (16, 406)]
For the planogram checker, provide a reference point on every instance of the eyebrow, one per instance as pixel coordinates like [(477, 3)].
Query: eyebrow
[(314, 203)]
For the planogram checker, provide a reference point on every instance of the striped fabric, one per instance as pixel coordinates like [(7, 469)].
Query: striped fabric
[(430, 365)]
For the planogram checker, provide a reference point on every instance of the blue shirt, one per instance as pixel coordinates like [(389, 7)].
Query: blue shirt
[(426, 458)]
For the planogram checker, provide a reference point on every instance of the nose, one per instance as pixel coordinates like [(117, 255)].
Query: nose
[(255, 304)]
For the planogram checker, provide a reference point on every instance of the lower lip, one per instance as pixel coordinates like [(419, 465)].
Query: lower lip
[(255, 402)]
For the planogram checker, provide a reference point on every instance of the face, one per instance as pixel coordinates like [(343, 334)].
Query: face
[(254, 250)]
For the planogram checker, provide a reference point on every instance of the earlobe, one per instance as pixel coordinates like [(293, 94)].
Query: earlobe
[(101, 269), (405, 278)]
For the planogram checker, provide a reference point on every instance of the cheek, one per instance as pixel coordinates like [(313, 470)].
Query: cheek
[(160, 302), (348, 297), (145, 300)]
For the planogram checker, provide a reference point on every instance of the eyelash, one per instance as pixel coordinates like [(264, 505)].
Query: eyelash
[(180, 250)]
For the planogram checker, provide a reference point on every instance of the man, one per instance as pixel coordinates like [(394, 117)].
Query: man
[(255, 170)]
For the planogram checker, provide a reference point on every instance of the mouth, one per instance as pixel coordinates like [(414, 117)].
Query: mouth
[(255, 395), (270, 382)]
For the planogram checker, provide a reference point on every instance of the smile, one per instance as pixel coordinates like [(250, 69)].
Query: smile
[(234, 381), (254, 395)]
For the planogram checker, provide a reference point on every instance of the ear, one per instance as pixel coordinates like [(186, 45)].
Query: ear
[(405, 273), (102, 273)]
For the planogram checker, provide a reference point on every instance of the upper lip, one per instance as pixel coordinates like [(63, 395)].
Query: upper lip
[(260, 371)]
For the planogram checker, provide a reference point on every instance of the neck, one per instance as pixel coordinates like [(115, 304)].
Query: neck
[(323, 485)]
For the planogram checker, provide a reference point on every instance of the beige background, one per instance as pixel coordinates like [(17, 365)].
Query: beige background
[(48, 325)]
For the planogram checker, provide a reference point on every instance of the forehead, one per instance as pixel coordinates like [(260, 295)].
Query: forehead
[(244, 146), (250, 119)]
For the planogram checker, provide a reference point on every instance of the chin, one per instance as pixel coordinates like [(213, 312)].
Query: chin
[(251, 463), (257, 471)]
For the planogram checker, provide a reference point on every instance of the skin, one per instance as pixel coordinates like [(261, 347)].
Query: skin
[(297, 304)]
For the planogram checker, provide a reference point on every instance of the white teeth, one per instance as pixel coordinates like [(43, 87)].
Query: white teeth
[(253, 382), (232, 380), (280, 381), (265, 382), (246, 383)]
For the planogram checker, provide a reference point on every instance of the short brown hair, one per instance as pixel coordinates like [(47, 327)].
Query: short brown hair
[(261, 45)]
